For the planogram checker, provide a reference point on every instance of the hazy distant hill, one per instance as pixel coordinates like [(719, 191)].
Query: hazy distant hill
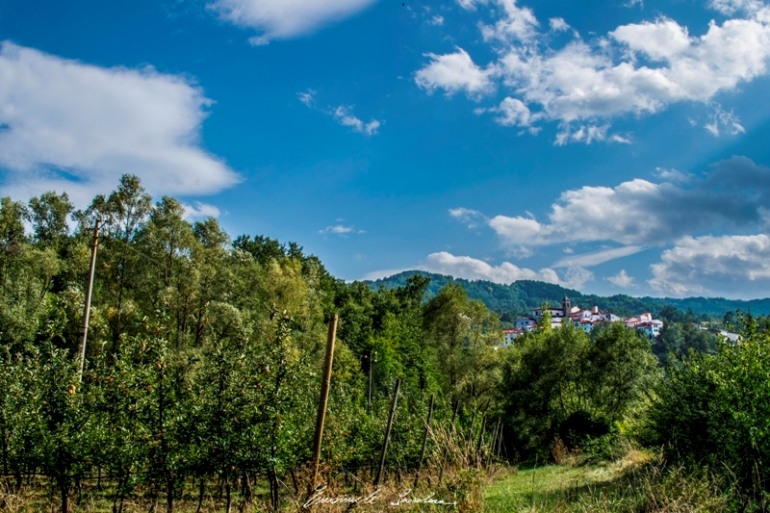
[(521, 296)]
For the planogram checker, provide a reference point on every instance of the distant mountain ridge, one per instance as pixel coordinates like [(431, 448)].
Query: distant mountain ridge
[(522, 296)]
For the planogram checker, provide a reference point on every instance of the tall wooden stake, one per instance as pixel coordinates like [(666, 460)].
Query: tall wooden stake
[(369, 392), (87, 307), (387, 433), (325, 385), (481, 439), (424, 440)]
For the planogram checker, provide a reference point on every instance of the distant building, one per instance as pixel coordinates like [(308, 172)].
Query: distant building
[(580, 319), (510, 335)]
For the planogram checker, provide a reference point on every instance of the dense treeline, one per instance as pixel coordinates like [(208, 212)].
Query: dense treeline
[(204, 355), (520, 297)]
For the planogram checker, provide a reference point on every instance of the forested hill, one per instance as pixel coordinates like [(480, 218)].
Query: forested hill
[(521, 296)]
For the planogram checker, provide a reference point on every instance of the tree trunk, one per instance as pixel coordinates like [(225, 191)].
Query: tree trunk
[(275, 501)]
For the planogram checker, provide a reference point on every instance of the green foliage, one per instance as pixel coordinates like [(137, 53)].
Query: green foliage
[(562, 385), (677, 339), (712, 410)]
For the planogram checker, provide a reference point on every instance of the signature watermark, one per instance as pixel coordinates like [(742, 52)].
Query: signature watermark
[(404, 498)]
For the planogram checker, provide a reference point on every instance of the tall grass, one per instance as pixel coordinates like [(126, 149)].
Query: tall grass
[(635, 484)]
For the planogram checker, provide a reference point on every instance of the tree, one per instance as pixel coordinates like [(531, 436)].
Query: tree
[(49, 213), (126, 210), (560, 383), (713, 411)]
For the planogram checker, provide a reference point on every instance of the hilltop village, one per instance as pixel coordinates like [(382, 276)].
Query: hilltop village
[(583, 319)]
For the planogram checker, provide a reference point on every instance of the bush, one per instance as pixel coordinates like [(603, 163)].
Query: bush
[(713, 410)]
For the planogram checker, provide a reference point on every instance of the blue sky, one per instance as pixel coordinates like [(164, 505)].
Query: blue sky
[(606, 146)]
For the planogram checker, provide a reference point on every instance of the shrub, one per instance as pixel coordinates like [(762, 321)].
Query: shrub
[(713, 410)]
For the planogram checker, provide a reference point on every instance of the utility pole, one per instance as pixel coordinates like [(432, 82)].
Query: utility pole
[(89, 292)]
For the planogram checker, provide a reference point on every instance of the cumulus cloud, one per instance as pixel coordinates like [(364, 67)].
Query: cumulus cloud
[(515, 24), (77, 127), (735, 266), (558, 24), (622, 279), (453, 73), (513, 112), (637, 68), (639, 212), (474, 269), (712, 230), (284, 19)]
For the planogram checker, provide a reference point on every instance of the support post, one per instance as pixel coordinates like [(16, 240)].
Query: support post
[(325, 385), (424, 440), (87, 307), (388, 430)]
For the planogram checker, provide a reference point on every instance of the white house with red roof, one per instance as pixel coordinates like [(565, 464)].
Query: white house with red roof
[(581, 319)]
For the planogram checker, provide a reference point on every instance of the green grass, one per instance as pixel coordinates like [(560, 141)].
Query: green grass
[(546, 488), (635, 484)]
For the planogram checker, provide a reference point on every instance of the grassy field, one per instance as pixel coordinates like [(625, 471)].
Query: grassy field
[(635, 484)]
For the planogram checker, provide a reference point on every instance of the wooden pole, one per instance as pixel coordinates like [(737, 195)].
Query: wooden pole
[(369, 392), (424, 440), (388, 430), (481, 439), (87, 307), (325, 385)]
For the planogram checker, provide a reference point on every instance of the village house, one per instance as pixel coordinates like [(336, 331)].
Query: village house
[(581, 319)]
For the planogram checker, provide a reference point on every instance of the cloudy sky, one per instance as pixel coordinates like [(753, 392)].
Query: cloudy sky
[(606, 146)]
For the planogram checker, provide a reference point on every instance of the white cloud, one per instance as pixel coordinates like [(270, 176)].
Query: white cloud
[(595, 258), (437, 20), (588, 134), (731, 7), (307, 98), (622, 279), (661, 40), (474, 269), (558, 24), (340, 230), (723, 121), (639, 212), (695, 218), (576, 278), (471, 218), (200, 210), (470, 4), (342, 114), (735, 266), (516, 24), (672, 175), (638, 68), (345, 118), (284, 19), (513, 112), (454, 72), (77, 127)]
